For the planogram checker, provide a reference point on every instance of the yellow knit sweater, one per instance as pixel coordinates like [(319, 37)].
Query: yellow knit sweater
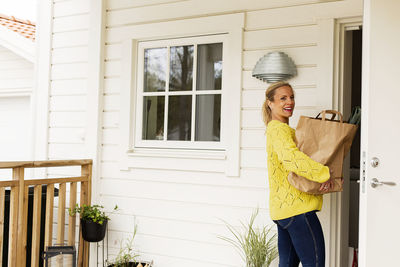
[(283, 157)]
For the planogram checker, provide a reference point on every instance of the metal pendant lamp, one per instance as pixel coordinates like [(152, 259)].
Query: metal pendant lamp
[(274, 67)]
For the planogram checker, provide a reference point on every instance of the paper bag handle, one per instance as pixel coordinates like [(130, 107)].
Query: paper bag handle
[(333, 112)]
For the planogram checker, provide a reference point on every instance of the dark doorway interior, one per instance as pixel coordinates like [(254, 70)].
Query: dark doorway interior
[(355, 149)]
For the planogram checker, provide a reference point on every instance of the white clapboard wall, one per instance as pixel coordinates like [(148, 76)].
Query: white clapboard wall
[(16, 83), (179, 212)]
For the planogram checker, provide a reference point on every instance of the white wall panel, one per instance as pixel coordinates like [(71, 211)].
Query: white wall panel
[(184, 192), (302, 14), (252, 118), (16, 73), (6, 55), (112, 102), (249, 178), (123, 4), (69, 39), (112, 85), (19, 73), (11, 64), (16, 83), (66, 134), (69, 55), (281, 37), (194, 230), (110, 136), (113, 68), (69, 87), (253, 158), (68, 103), (66, 151), (69, 71), (253, 138), (110, 119), (67, 119), (181, 9), (15, 132), (113, 51), (71, 7), (71, 23)]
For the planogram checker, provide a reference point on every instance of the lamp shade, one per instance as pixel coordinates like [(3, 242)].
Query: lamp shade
[(274, 67)]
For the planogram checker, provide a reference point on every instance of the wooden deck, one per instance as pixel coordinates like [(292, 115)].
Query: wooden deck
[(19, 189)]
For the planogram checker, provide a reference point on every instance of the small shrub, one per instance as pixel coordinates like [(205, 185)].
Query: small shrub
[(257, 246)]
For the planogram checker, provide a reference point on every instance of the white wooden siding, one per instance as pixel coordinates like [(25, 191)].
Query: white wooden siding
[(16, 73), (179, 211), (68, 85), (16, 84)]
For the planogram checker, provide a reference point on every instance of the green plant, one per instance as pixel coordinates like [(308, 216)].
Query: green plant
[(257, 246), (93, 213), (126, 254)]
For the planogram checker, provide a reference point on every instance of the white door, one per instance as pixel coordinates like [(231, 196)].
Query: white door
[(380, 204), (14, 130)]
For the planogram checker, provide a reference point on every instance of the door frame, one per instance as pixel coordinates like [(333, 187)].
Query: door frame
[(340, 202)]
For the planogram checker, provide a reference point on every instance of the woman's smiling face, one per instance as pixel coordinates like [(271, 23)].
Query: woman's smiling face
[(283, 104)]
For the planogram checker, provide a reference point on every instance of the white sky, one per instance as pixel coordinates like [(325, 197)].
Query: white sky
[(22, 9)]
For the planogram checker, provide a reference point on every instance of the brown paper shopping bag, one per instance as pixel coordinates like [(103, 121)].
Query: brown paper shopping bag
[(325, 141)]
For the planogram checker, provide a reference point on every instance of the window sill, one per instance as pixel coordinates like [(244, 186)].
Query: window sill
[(177, 153)]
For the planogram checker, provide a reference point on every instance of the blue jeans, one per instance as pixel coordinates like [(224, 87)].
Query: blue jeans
[(300, 239)]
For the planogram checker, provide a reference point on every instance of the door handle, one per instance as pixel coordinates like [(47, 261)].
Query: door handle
[(375, 182)]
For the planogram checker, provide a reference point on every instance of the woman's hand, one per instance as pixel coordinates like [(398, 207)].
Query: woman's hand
[(326, 186)]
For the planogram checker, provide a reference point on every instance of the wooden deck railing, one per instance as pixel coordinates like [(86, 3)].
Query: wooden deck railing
[(19, 188)]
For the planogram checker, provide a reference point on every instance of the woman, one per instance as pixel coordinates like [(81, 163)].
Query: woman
[(300, 237)]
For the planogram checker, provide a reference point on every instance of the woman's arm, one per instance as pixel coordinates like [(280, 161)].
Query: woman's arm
[(292, 158)]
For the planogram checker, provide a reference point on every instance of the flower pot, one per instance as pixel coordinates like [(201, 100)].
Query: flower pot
[(133, 264), (92, 231)]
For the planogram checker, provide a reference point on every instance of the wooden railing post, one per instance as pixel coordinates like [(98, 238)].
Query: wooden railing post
[(22, 225), (61, 218), (83, 253), (48, 230), (72, 219), (2, 199), (61, 214), (15, 209), (37, 205)]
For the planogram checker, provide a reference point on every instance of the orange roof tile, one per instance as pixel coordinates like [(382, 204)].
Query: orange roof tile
[(25, 28)]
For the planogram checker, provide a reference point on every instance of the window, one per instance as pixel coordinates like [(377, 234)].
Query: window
[(201, 100), (180, 93)]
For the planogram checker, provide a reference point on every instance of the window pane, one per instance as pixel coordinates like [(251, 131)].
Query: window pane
[(155, 66), (208, 117), (179, 117), (153, 118), (209, 66), (181, 68)]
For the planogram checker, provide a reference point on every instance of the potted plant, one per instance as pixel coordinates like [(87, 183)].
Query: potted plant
[(93, 221), (257, 246), (127, 256)]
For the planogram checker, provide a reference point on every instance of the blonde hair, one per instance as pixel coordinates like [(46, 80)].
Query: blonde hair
[(269, 96)]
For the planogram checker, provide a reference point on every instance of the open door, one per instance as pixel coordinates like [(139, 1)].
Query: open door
[(380, 137)]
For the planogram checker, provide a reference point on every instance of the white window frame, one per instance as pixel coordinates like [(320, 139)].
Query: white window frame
[(206, 145), (225, 158)]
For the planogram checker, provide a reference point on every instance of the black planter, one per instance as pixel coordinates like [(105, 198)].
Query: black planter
[(93, 232), (129, 264)]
